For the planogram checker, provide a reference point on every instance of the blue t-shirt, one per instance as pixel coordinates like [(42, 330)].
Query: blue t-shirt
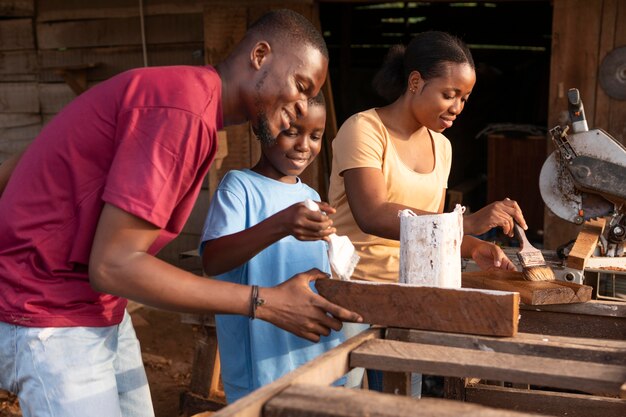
[(253, 352)]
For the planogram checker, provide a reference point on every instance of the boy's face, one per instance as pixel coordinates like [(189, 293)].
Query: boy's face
[(295, 148)]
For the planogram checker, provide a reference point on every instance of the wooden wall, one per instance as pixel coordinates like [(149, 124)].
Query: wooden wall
[(98, 39), (583, 33)]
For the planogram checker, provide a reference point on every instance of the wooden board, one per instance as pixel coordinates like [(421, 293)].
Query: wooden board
[(531, 292), (492, 313), (19, 98), (323, 370), (165, 29), (585, 243), (314, 401), (578, 349), (551, 403), (17, 8), (16, 34), (388, 355), (594, 320)]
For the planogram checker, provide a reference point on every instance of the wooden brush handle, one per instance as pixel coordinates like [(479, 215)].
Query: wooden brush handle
[(521, 236)]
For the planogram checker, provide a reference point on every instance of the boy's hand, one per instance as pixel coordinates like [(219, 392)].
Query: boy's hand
[(304, 224), (292, 306)]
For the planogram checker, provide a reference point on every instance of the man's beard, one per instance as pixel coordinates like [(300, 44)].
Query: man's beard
[(262, 129)]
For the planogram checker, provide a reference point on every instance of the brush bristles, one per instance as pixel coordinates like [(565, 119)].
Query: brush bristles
[(538, 273)]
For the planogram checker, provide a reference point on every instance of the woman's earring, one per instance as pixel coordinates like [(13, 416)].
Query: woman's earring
[(412, 90)]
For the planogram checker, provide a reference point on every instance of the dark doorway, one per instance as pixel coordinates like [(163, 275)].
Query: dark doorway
[(510, 42)]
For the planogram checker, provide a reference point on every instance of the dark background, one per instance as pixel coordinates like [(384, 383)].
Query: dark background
[(510, 42)]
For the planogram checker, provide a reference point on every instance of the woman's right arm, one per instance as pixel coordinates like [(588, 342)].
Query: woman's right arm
[(367, 196)]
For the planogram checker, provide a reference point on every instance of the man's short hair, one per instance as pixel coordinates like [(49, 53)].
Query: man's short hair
[(289, 28)]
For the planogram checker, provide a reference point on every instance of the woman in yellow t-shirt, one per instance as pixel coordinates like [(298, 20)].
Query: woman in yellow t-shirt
[(395, 157)]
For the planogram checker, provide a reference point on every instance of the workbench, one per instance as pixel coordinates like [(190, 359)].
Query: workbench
[(586, 376)]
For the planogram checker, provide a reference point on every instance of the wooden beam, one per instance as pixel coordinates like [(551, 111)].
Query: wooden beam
[(460, 310), (595, 319), (389, 355), (16, 34), (17, 8), (573, 348), (314, 401), (531, 292), (324, 370), (545, 402), (585, 244)]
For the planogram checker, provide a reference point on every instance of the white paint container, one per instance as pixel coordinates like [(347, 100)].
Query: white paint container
[(430, 248)]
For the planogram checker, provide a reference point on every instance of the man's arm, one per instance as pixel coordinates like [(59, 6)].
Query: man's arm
[(120, 265), (6, 169)]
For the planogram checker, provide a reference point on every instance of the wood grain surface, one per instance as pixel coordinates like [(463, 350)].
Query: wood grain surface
[(531, 292), (494, 313)]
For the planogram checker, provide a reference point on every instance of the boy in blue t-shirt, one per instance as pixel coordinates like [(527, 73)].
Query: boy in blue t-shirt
[(258, 232)]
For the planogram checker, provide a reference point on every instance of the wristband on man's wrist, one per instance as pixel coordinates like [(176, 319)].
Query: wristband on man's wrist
[(255, 301)]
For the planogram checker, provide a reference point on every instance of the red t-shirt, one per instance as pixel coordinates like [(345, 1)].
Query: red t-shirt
[(142, 141)]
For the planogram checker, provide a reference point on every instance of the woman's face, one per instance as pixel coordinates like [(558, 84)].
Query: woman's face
[(437, 102)]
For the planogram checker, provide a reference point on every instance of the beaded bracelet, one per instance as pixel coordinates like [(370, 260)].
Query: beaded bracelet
[(255, 301)]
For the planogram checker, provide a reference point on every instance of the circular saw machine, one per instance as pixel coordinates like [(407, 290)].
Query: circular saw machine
[(585, 178)]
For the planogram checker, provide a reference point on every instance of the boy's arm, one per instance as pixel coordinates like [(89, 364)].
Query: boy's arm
[(228, 252), (120, 265)]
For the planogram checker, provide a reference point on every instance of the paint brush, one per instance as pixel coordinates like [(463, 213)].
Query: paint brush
[(341, 253), (534, 267)]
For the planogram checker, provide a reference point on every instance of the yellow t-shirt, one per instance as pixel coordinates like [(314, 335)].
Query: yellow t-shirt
[(363, 142)]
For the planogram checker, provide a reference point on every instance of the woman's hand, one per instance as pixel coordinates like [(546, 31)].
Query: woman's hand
[(292, 306), (489, 256), (498, 214), (304, 224)]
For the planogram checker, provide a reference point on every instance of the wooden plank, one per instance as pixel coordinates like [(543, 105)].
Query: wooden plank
[(313, 401), (578, 349), (607, 264), (443, 309), (324, 370), (19, 98), (8, 120), (569, 70), (17, 8), (592, 308), (54, 96), (585, 244), (16, 134), (544, 402), (606, 44), (16, 34), (52, 10), (19, 62), (167, 29), (389, 355), (117, 59), (549, 321), (531, 292)]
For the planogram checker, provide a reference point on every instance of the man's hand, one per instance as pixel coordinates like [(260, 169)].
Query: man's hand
[(498, 214), (292, 306), (489, 256)]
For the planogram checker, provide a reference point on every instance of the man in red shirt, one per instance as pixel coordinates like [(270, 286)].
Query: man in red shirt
[(108, 182)]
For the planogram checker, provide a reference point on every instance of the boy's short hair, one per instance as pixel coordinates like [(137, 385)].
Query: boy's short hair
[(318, 100)]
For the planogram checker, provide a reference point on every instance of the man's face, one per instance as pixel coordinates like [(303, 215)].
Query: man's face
[(285, 81)]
